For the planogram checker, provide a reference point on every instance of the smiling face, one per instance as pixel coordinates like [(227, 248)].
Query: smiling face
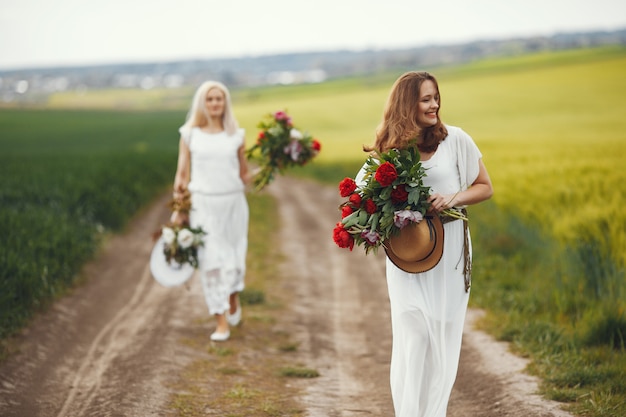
[(428, 105), (215, 103)]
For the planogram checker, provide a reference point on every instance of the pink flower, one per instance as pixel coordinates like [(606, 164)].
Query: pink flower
[(370, 236), (281, 116), (402, 218)]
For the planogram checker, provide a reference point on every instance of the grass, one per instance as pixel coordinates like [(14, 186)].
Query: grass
[(550, 249), (67, 179)]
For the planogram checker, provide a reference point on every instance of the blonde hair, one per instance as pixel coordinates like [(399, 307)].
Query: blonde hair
[(197, 115), (399, 126)]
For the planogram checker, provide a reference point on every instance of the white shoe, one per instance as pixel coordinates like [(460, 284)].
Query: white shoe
[(220, 337), (235, 318)]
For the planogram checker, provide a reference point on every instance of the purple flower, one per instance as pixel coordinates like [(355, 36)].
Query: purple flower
[(402, 218), (294, 149), (370, 236)]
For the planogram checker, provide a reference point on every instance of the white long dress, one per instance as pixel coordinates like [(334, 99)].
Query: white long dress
[(428, 309), (220, 207)]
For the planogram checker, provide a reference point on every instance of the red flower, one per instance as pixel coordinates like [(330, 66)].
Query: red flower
[(260, 137), (386, 174), (346, 211), (347, 187), (342, 237), (370, 206), (316, 145), (355, 199), (399, 195)]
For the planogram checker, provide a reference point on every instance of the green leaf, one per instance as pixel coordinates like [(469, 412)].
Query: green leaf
[(362, 217), (350, 220), (374, 221)]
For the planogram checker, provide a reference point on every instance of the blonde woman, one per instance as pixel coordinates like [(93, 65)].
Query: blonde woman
[(212, 167)]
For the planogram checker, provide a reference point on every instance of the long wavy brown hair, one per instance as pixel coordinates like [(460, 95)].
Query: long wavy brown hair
[(399, 126)]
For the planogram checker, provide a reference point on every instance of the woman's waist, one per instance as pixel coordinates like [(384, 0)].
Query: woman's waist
[(215, 188)]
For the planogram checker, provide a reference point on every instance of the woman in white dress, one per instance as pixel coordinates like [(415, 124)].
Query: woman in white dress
[(428, 309), (212, 167)]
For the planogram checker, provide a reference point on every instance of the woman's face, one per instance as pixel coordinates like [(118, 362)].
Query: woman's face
[(214, 102), (428, 105)]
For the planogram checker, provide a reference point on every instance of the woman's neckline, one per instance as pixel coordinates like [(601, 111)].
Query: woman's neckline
[(206, 132), (431, 157)]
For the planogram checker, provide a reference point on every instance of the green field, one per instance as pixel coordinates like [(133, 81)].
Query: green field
[(550, 248)]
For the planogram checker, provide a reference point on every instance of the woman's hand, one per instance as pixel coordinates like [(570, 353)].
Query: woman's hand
[(179, 218), (440, 202)]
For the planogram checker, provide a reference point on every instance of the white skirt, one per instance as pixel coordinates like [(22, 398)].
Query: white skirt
[(222, 266), (427, 316)]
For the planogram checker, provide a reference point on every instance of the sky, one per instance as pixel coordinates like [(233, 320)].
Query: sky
[(40, 33)]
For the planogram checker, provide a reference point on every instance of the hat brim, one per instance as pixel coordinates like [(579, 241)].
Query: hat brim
[(428, 262), (168, 274)]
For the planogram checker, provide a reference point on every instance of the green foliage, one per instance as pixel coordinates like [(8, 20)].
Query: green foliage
[(298, 372), (399, 188), (550, 254), (540, 299), (66, 179), (280, 146)]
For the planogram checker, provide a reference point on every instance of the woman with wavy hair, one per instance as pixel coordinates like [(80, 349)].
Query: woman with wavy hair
[(428, 308), (212, 167)]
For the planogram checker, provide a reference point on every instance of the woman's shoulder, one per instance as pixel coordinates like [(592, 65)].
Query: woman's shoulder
[(455, 132)]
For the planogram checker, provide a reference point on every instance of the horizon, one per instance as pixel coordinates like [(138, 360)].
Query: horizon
[(158, 61), (68, 33)]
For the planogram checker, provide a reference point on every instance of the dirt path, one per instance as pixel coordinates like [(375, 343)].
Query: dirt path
[(112, 346)]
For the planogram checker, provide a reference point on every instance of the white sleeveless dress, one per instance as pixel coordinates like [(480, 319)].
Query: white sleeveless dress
[(220, 207), (428, 309)]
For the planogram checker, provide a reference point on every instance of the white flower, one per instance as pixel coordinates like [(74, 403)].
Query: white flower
[(295, 134), (403, 217), (168, 235), (293, 149), (185, 238)]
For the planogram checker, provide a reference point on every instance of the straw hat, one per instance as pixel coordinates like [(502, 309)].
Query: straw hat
[(418, 246), (168, 274)]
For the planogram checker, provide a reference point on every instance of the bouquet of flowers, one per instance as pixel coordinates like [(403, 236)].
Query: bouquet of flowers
[(280, 146), (181, 243), (393, 195)]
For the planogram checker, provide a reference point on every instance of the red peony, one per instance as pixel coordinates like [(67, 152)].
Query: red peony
[(347, 187), (370, 206), (386, 174), (316, 145), (399, 194), (342, 237), (346, 211), (355, 199)]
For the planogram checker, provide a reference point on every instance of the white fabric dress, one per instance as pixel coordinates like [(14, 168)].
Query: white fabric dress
[(428, 309), (220, 207)]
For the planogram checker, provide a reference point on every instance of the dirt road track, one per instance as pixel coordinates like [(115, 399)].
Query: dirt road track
[(110, 347)]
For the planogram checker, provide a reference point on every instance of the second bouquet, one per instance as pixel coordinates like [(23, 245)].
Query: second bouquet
[(280, 145)]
